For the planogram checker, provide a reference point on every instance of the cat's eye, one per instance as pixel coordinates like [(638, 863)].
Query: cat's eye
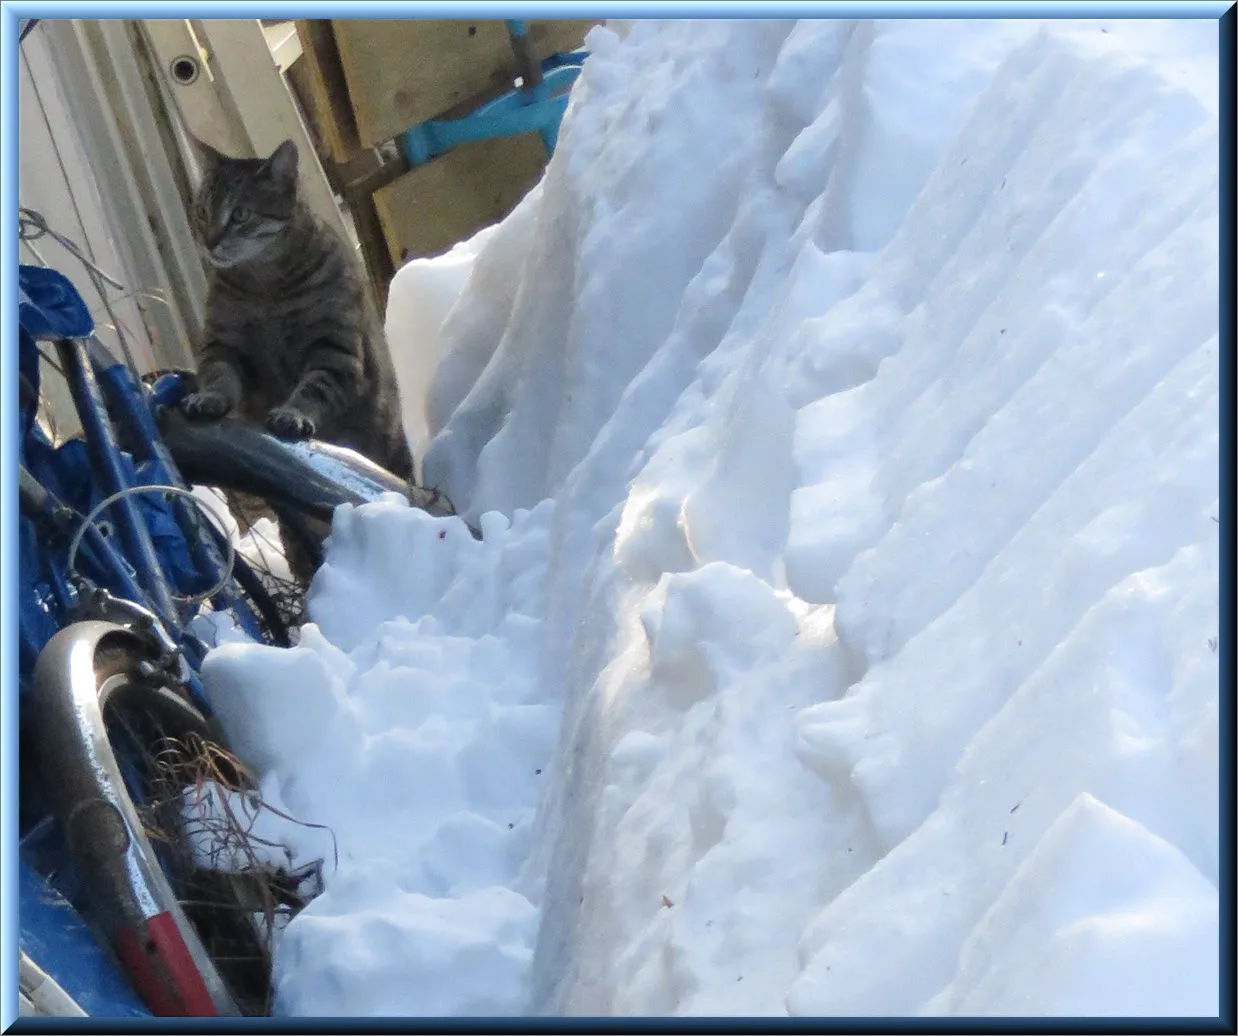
[(240, 214)]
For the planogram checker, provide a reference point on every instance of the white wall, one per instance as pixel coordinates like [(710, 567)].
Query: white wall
[(56, 180)]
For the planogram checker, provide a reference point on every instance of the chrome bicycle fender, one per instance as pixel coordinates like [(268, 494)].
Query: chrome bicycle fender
[(159, 947)]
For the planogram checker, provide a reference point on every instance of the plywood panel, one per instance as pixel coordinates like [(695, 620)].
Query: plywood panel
[(433, 207), (402, 72)]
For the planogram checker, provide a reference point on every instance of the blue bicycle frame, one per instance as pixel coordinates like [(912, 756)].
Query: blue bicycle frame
[(156, 536), (158, 553)]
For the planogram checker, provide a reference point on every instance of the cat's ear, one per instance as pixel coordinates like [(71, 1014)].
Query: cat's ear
[(207, 156), (282, 165)]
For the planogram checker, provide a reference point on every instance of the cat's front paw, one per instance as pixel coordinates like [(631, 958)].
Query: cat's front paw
[(290, 423), (205, 406)]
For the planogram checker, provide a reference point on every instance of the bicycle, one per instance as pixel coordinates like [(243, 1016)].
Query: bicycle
[(117, 560)]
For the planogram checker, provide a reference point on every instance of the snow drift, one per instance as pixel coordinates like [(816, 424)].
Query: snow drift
[(840, 412)]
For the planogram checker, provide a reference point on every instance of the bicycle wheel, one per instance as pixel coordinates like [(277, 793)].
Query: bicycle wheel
[(118, 749), (262, 570)]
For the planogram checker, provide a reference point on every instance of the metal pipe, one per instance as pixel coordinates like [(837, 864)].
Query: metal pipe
[(124, 397), (105, 458), (526, 61), (55, 517)]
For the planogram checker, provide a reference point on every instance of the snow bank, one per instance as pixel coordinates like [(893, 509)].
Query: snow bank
[(414, 323), (851, 647)]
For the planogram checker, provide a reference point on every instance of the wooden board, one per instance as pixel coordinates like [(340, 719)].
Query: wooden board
[(431, 208), (318, 74), (402, 72)]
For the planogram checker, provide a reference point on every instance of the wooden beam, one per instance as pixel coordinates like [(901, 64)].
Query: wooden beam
[(431, 208), (327, 89), (372, 242)]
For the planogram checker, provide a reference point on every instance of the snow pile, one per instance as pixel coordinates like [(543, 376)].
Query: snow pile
[(851, 646), (418, 733)]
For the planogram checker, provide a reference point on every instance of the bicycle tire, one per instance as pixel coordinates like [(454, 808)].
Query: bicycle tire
[(272, 620), (88, 675)]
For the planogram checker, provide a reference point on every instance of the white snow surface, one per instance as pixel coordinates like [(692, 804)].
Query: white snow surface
[(840, 413)]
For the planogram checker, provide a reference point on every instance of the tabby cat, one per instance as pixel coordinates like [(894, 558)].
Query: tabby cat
[(292, 339)]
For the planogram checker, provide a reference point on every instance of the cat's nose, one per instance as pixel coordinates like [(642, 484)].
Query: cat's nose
[(213, 235)]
